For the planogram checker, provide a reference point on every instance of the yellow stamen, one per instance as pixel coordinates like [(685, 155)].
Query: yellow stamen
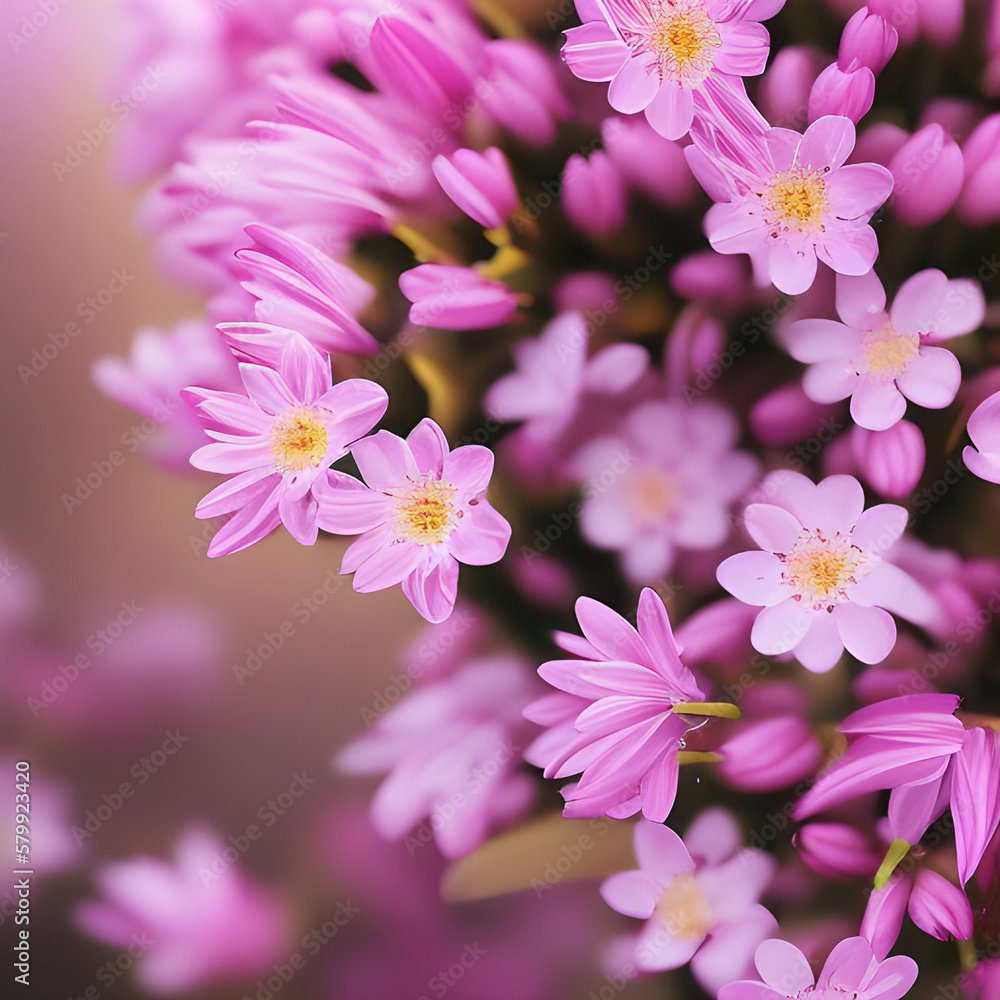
[(683, 910), (681, 36), (298, 439), (821, 569), (888, 353), (424, 513), (796, 199)]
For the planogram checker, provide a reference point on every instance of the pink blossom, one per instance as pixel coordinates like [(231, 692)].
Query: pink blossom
[(479, 183), (194, 926), (456, 298), (553, 374), (928, 173), (595, 195), (890, 461), (660, 57), (851, 970), (698, 897), (664, 481), (665, 177), (915, 746), (787, 199), (423, 511), (821, 576), (278, 439), (451, 752), (616, 722), (878, 357), (983, 456)]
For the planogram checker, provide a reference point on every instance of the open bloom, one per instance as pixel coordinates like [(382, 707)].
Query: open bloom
[(621, 729), (703, 911), (192, 925), (821, 577), (915, 746), (422, 512), (658, 54), (852, 972), (278, 439), (788, 199), (878, 357)]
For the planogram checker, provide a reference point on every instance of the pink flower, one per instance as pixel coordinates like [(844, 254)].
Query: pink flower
[(915, 746), (279, 439), (851, 970), (878, 357), (595, 195), (928, 173), (821, 577), (193, 926), (663, 482), (423, 511), (456, 298), (702, 911), (661, 54), (479, 183), (616, 722), (792, 200), (451, 752), (983, 456)]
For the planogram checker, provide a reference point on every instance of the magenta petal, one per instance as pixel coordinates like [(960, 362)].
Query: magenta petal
[(754, 578), (827, 143), (884, 914), (779, 629), (940, 908), (634, 86), (594, 51), (658, 787), (913, 807), (932, 378), (671, 112), (609, 633), (975, 797), (661, 852), (774, 529), (634, 893), (744, 50), (867, 633), (782, 966), (481, 539), (385, 461), (877, 405), (432, 588), (930, 715)]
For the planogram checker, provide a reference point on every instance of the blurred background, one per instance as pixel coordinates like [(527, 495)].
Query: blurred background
[(129, 655)]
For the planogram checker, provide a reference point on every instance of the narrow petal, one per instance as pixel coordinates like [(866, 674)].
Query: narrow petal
[(975, 797), (432, 589)]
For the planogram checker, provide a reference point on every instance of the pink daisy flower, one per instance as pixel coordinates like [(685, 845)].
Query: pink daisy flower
[(699, 898), (278, 439), (659, 54), (620, 729), (851, 971), (878, 357), (423, 512), (821, 577), (787, 199)]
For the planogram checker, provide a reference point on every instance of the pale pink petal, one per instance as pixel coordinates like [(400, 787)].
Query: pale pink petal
[(729, 951), (267, 389), (774, 529), (779, 629), (827, 143), (348, 507), (429, 446), (671, 112), (713, 836), (658, 950), (837, 504), (432, 587), (918, 302), (857, 190), (634, 86), (661, 852), (812, 340), (892, 979), (469, 468), (782, 966), (878, 528), (731, 228), (754, 578), (984, 424), (846, 966), (867, 633), (634, 893), (594, 51), (609, 633), (822, 647), (963, 310), (877, 405), (386, 566), (939, 908), (932, 378), (792, 267), (298, 515), (829, 381), (733, 888), (848, 250), (860, 299), (481, 539), (385, 461), (745, 45)]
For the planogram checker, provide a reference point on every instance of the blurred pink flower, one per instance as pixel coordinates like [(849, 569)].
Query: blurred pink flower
[(928, 173), (192, 927), (456, 298), (702, 911), (480, 184), (595, 195), (821, 576), (422, 512)]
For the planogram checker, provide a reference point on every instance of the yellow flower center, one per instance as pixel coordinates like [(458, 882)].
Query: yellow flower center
[(424, 513), (821, 570), (887, 353), (681, 36), (795, 199), (298, 439), (653, 494), (683, 910)]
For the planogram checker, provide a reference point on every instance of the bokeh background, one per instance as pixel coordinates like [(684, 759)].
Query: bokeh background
[(72, 569)]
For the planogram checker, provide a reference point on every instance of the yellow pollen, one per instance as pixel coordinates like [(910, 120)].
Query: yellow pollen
[(298, 439), (797, 199), (821, 570), (424, 513), (653, 494), (683, 910), (888, 353), (681, 36)]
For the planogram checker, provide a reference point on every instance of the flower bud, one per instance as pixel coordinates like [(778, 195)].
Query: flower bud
[(940, 908), (770, 754), (868, 40), (891, 461), (928, 172), (479, 183), (838, 93), (837, 850), (595, 197)]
